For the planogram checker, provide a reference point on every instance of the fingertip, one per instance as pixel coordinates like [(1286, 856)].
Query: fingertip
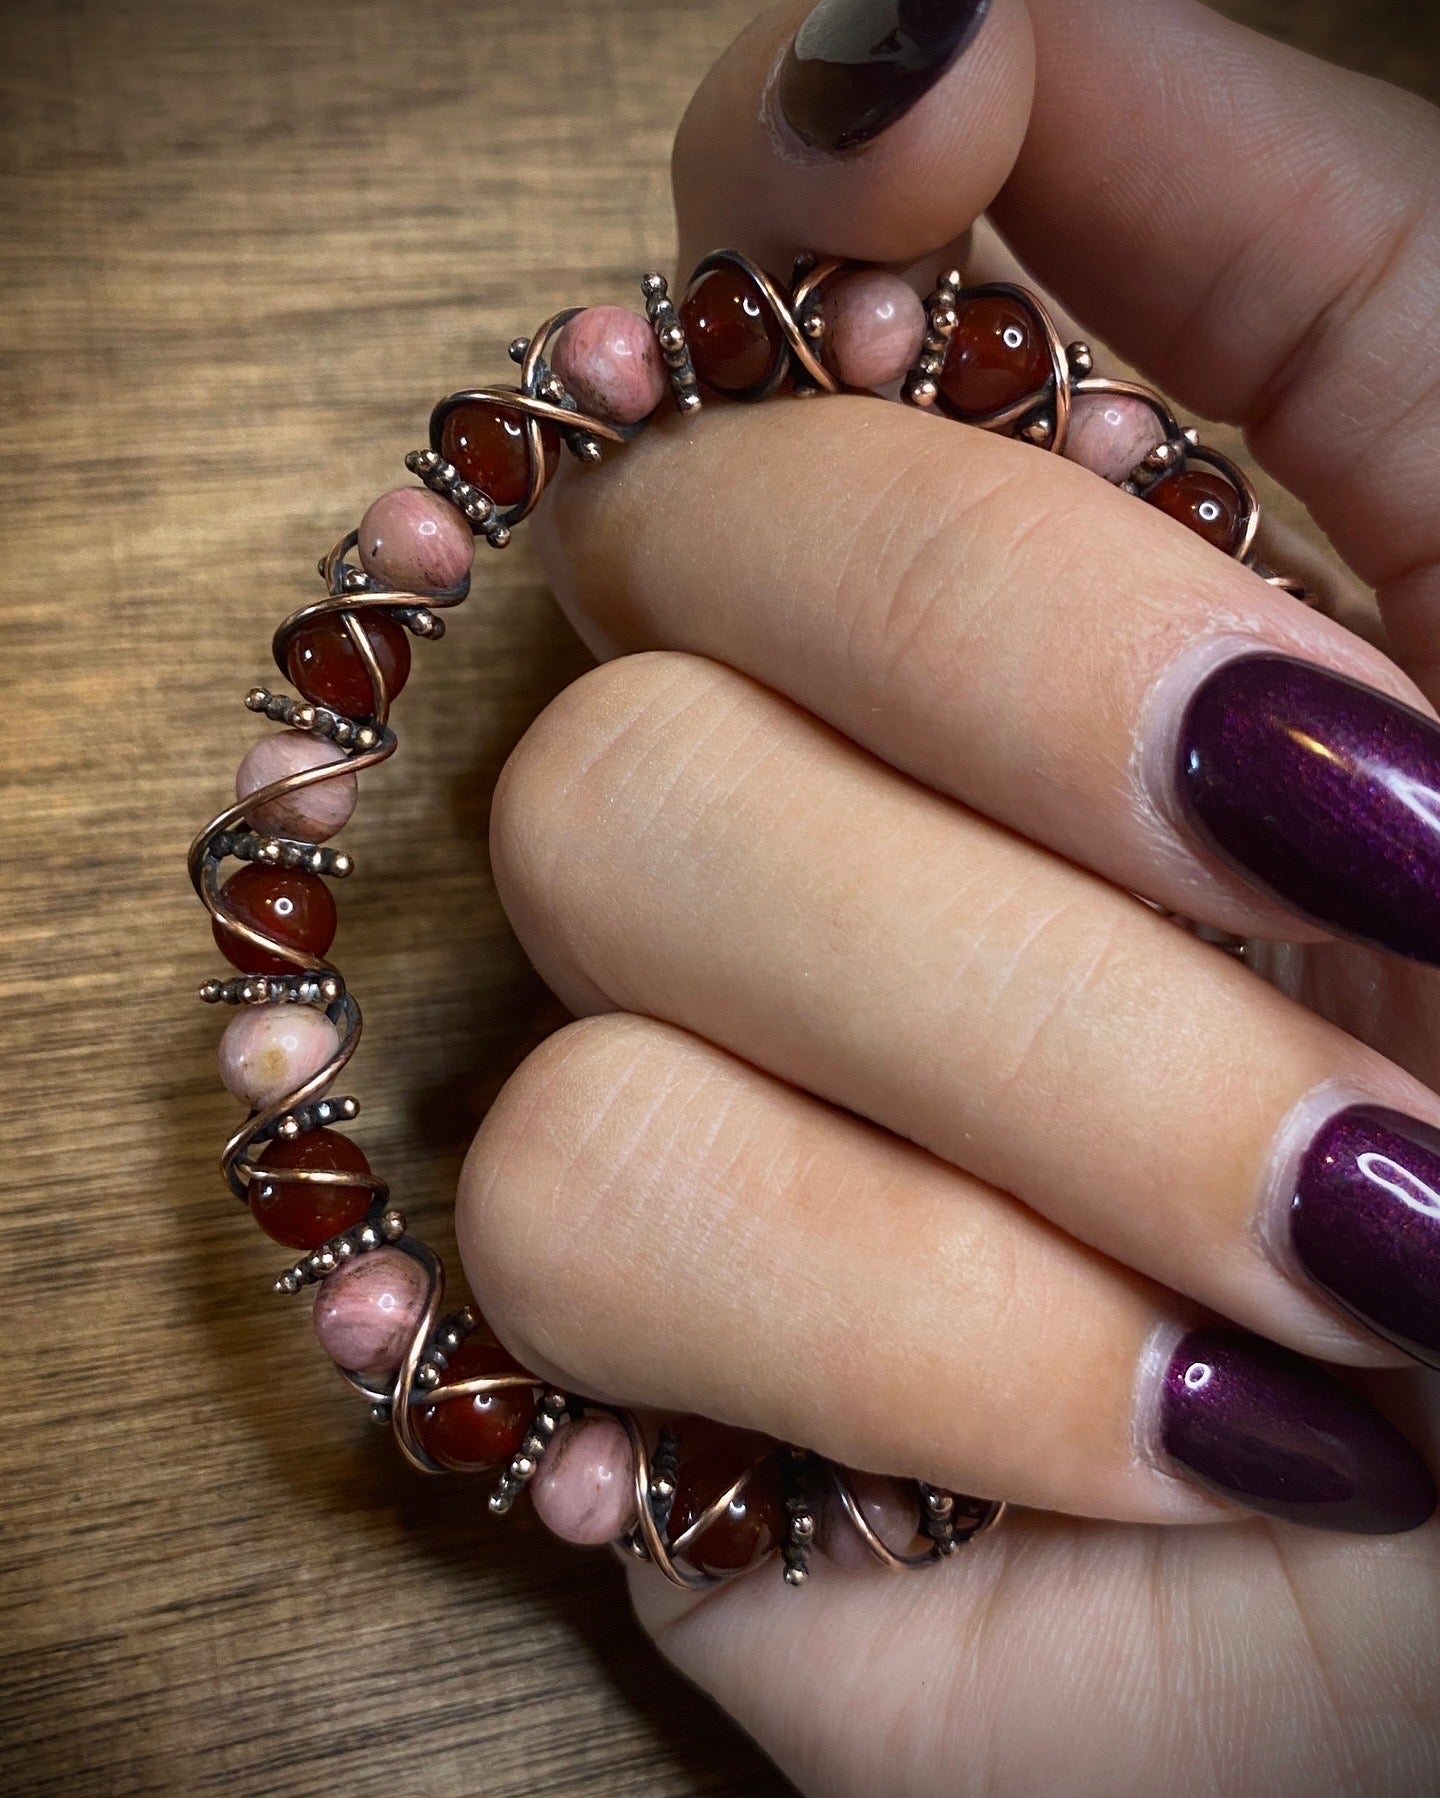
[(744, 177)]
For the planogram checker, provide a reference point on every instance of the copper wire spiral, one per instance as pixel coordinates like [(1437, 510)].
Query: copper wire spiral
[(1042, 417), (943, 1521)]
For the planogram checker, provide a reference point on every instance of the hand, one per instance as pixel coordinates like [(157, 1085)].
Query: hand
[(896, 1126)]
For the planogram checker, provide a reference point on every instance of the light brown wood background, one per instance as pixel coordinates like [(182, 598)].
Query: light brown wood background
[(245, 244)]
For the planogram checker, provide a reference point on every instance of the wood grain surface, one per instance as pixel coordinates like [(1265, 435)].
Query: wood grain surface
[(246, 243)]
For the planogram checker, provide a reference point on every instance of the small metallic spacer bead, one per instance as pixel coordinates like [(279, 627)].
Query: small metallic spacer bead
[(288, 1283), (369, 1237), (392, 1226), (796, 1574), (587, 449), (256, 699), (468, 1317), (1040, 429), (653, 286), (802, 1526), (944, 320), (498, 536), (519, 349), (427, 1376), (672, 339), (1080, 359), (380, 1413), (813, 325)]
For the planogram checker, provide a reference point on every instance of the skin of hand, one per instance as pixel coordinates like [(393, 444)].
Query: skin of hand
[(894, 1123)]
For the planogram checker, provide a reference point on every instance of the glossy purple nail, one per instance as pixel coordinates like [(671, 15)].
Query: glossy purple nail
[(1274, 1432), (856, 66), (1365, 1222), (1324, 793)]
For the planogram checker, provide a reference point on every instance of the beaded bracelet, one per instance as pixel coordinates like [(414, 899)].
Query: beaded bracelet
[(702, 1504)]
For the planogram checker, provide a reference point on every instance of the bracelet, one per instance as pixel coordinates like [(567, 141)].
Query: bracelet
[(701, 1503)]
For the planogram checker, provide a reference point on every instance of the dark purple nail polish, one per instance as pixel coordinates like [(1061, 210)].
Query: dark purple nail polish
[(858, 65), (1365, 1222), (1277, 1434), (1324, 793)]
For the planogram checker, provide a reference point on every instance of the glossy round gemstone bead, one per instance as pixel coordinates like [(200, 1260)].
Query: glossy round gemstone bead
[(326, 666), (1111, 433), (367, 1312), (416, 542), (485, 444), (471, 1434), (286, 905), (735, 341), (312, 813), (1203, 501), (585, 1489), (997, 355), (754, 1519), (269, 1051), (889, 1506), (304, 1214), (608, 360), (875, 325)]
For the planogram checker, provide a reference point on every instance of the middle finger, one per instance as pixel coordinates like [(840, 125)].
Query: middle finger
[(673, 840)]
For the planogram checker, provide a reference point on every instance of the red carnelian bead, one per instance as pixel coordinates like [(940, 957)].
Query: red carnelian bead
[(284, 904), (997, 355), (304, 1214), (712, 1460), (735, 342), (475, 1433), (485, 444), (325, 665), (1207, 503)]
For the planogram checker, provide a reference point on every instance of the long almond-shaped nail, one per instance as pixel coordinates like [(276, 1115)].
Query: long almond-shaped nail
[(856, 66), (1323, 793), (1365, 1222), (1277, 1434)]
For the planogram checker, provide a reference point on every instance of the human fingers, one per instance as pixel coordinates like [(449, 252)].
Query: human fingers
[(1026, 638), (646, 1218), (883, 138), (673, 840)]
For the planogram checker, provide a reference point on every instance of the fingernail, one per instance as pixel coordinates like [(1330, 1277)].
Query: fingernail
[(858, 65), (1272, 1431), (1323, 793), (1365, 1223)]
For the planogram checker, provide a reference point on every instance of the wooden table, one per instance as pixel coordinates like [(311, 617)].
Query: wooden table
[(245, 243)]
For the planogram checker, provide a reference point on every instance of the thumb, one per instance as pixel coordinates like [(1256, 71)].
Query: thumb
[(875, 129)]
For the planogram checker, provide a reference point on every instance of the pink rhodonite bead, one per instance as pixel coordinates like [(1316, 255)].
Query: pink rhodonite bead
[(368, 1310), (1110, 433), (890, 1509), (272, 1050), (585, 1489), (608, 361), (875, 325), (416, 542), (312, 813)]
